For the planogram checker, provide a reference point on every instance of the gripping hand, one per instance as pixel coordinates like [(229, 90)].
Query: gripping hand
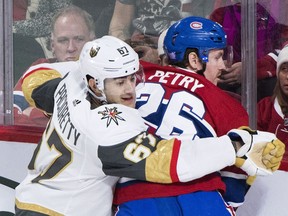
[(273, 154), (257, 152)]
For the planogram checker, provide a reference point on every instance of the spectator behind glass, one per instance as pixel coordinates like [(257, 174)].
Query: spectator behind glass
[(267, 41), (71, 28), (143, 22), (38, 21), (101, 11), (273, 111), (162, 57), (25, 48)]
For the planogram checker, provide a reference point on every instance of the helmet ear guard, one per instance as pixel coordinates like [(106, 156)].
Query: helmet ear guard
[(193, 32)]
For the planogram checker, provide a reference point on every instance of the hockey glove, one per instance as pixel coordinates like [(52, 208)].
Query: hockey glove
[(250, 154), (272, 154)]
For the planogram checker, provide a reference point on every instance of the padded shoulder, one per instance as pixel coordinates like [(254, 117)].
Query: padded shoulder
[(116, 123)]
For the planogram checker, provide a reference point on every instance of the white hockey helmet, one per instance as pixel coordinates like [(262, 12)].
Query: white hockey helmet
[(109, 57)]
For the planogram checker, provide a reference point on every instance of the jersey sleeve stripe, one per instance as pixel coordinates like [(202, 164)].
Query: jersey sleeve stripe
[(174, 159), (158, 163)]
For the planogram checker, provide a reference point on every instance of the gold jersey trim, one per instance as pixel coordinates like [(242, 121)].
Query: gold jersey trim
[(36, 208)]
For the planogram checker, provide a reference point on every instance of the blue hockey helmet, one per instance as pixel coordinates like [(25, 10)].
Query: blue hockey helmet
[(193, 32)]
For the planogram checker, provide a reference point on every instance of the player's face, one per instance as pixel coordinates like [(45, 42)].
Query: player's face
[(69, 36), (121, 90), (283, 77), (214, 66)]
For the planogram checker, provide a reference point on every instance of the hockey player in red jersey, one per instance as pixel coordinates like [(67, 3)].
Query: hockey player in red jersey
[(183, 100), (96, 136)]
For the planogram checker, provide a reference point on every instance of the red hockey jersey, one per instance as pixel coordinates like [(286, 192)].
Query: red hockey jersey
[(178, 103)]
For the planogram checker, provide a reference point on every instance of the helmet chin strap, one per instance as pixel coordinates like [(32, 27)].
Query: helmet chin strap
[(101, 98)]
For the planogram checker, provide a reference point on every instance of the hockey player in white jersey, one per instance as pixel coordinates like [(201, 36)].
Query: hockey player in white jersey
[(96, 136)]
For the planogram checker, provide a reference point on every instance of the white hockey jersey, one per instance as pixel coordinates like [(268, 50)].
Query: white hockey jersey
[(65, 171)]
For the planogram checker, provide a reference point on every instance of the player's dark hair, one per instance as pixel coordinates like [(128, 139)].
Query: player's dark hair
[(185, 62)]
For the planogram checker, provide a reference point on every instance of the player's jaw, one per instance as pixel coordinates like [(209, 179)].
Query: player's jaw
[(128, 100)]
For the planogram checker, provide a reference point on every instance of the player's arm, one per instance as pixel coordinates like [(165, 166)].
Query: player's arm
[(134, 153), (146, 157), (39, 86), (128, 150)]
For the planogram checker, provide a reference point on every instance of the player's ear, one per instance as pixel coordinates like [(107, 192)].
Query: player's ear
[(193, 60), (93, 87)]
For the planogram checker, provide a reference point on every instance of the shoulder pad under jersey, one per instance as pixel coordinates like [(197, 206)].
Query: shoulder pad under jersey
[(116, 123)]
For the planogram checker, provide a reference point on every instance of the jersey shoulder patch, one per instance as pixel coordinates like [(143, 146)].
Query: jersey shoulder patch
[(117, 123)]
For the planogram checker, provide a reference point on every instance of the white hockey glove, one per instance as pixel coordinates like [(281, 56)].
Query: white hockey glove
[(257, 152)]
